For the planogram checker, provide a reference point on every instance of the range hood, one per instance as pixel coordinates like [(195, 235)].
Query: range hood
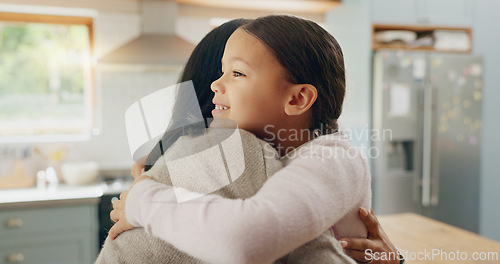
[(157, 46)]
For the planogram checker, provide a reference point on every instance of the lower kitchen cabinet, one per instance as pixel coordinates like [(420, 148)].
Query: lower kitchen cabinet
[(49, 234)]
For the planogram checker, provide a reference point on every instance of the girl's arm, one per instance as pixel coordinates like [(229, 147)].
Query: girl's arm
[(290, 210)]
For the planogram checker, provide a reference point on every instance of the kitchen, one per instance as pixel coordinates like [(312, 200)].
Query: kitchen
[(132, 76)]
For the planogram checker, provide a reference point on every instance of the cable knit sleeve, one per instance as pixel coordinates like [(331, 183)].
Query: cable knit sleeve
[(316, 189)]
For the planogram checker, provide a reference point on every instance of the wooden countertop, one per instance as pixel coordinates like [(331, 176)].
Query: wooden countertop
[(417, 236)]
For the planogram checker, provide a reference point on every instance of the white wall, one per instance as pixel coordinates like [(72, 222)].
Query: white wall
[(487, 43)]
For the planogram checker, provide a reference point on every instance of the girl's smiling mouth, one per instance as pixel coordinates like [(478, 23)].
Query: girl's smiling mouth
[(219, 108)]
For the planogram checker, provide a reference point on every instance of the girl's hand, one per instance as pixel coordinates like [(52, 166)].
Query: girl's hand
[(377, 243), (118, 213)]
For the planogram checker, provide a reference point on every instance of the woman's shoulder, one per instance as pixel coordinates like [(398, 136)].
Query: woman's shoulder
[(235, 144)]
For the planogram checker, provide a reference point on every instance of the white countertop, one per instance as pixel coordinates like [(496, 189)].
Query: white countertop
[(61, 193)]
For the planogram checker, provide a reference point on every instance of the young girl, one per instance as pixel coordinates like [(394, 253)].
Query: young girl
[(283, 80)]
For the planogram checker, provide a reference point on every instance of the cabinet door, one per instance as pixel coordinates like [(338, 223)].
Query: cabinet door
[(76, 247), (394, 11), (445, 12), (52, 235)]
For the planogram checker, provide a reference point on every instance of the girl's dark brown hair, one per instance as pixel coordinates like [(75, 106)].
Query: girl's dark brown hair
[(310, 55)]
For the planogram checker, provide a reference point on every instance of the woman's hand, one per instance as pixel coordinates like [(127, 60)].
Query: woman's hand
[(118, 213), (377, 243), (137, 169)]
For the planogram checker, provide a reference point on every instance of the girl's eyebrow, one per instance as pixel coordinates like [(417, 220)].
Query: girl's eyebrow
[(241, 60)]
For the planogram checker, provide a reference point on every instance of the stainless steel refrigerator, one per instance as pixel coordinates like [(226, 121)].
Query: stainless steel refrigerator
[(426, 135)]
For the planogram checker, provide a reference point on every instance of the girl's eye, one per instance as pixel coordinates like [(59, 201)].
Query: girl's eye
[(238, 74)]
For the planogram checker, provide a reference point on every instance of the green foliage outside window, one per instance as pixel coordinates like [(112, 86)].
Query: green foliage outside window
[(44, 73)]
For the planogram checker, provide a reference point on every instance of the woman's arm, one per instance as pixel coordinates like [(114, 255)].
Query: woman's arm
[(377, 243), (290, 210), (137, 169)]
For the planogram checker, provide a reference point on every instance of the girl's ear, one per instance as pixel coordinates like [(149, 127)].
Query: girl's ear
[(301, 99)]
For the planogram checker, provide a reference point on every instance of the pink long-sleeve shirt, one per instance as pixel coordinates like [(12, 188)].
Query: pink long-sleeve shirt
[(323, 185)]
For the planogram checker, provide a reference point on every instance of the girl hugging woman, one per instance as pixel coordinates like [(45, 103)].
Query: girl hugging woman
[(283, 80)]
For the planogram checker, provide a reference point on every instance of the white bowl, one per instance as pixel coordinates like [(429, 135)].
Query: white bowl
[(80, 173)]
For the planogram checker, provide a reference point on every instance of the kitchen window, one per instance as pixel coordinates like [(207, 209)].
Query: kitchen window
[(46, 80)]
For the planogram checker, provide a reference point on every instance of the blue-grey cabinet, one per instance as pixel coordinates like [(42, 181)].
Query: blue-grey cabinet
[(49, 234), (453, 13), (446, 12), (393, 11)]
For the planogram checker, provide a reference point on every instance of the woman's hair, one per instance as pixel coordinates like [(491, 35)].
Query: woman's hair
[(310, 55), (202, 68)]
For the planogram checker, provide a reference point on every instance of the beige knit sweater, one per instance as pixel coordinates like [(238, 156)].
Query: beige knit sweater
[(248, 163)]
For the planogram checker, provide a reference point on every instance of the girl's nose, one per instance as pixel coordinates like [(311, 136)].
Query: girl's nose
[(217, 86)]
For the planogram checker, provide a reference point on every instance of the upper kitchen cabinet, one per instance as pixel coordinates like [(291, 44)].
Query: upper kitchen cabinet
[(423, 12), (445, 12), (394, 11)]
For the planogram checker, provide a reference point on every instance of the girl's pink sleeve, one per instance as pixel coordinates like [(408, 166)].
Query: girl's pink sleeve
[(293, 207)]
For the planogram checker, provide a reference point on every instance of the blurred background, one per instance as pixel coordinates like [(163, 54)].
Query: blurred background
[(422, 100)]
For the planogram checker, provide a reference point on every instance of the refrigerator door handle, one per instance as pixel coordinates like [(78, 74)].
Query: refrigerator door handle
[(427, 147), (434, 147)]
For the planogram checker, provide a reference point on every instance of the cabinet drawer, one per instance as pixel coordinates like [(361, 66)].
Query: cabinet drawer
[(33, 221), (63, 249)]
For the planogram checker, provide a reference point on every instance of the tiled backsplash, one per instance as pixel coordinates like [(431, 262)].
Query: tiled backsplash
[(117, 92)]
